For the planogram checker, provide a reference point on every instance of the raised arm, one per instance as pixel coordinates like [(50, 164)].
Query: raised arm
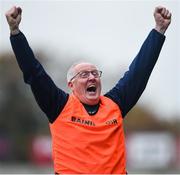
[(129, 88), (50, 98)]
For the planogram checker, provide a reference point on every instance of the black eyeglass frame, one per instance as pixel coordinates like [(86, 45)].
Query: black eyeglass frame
[(99, 73)]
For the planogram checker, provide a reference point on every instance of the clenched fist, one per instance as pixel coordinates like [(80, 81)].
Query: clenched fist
[(13, 17), (162, 18)]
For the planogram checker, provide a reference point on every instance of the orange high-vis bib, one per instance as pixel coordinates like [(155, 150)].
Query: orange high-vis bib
[(89, 144)]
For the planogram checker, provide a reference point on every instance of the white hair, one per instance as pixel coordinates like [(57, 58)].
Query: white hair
[(71, 71)]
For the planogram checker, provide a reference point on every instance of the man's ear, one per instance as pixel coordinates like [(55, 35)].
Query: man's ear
[(70, 85)]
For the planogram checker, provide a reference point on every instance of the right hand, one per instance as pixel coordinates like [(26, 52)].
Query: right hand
[(162, 18), (13, 17)]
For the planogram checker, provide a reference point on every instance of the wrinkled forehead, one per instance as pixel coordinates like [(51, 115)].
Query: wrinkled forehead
[(84, 67)]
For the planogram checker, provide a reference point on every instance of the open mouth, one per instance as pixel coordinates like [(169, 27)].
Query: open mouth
[(91, 88)]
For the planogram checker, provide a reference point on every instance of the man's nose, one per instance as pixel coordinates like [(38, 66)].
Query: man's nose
[(91, 76)]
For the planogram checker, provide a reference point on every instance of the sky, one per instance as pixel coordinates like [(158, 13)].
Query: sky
[(109, 33)]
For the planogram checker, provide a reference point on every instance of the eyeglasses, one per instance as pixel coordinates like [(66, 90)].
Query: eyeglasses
[(86, 74)]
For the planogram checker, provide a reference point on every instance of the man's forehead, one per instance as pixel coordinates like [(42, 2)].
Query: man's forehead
[(84, 66)]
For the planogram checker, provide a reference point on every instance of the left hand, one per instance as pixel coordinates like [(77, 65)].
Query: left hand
[(13, 17), (162, 18)]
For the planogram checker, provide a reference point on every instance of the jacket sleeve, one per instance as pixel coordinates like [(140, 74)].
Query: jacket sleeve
[(50, 98), (130, 87)]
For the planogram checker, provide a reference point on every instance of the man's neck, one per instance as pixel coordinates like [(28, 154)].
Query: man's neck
[(91, 109)]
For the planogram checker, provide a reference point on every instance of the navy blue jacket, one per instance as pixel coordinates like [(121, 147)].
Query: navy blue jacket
[(125, 93)]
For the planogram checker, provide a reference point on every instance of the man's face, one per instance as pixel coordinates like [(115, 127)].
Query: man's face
[(86, 85)]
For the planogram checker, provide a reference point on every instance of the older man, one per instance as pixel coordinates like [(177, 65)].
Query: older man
[(87, 127)]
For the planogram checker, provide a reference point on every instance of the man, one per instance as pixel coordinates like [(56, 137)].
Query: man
[(87, 127)]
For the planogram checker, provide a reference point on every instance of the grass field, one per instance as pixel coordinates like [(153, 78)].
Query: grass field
[(32, 169)]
